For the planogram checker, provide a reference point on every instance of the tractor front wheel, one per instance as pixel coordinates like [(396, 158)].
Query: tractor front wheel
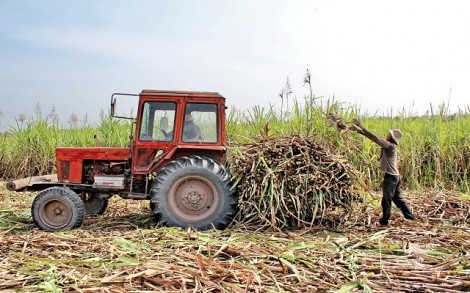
[(193, 191), (58, 208)]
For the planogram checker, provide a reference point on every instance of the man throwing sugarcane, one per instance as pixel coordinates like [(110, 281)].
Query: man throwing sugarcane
[(388, 165)]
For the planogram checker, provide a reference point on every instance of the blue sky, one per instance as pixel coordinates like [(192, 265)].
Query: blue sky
[(381, 55)]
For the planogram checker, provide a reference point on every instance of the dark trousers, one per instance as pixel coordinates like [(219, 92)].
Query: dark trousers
[(391, 193)]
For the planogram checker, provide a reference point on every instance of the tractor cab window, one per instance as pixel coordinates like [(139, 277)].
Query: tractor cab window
[(200, 123), (158, 121)]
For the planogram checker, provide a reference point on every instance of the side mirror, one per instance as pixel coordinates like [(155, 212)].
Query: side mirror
[(164, 123), (113, 106)]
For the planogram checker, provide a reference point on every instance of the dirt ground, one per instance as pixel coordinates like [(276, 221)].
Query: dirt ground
[(125, 251)]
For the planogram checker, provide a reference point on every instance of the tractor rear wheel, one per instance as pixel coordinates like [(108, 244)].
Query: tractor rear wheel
[(58, 208), (194, 191)]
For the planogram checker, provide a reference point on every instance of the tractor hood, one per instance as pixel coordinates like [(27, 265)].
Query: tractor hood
[(69, 161)]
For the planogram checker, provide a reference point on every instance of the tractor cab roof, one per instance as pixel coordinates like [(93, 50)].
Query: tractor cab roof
[(181, 94)]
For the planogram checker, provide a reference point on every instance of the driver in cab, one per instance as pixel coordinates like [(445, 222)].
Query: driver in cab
[(191, 132)]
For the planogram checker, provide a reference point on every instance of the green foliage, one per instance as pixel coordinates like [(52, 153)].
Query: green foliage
[(434, 152), (50, 281)]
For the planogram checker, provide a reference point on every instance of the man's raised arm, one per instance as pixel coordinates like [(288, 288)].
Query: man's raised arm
[(359, 128)]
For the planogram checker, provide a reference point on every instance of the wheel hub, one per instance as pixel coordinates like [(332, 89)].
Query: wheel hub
[(57, 211), (194, 198)]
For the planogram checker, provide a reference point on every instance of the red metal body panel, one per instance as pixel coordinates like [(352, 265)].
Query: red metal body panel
[(69, 161)]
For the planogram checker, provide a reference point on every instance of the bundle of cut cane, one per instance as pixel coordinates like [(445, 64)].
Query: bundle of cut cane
[(292, 182)]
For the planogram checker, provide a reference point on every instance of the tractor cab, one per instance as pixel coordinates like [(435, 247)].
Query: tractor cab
[(174, 124)]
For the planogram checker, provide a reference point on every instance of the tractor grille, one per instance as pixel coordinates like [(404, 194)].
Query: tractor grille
[(64, 170)]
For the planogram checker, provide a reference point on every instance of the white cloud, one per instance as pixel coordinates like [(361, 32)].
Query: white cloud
[(384, 53)]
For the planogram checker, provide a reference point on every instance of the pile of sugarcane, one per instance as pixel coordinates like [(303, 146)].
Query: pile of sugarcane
[(292, 182)]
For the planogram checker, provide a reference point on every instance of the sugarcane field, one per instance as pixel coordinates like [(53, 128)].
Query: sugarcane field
[(308, 214), (221, 146)]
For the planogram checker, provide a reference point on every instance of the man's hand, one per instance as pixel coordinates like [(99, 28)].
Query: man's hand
[(356, 125), (357, 122)]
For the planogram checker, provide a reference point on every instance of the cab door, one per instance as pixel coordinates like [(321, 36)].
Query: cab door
[(155, 134)]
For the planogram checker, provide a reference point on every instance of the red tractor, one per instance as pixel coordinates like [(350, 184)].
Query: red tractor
[(175, 159)]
